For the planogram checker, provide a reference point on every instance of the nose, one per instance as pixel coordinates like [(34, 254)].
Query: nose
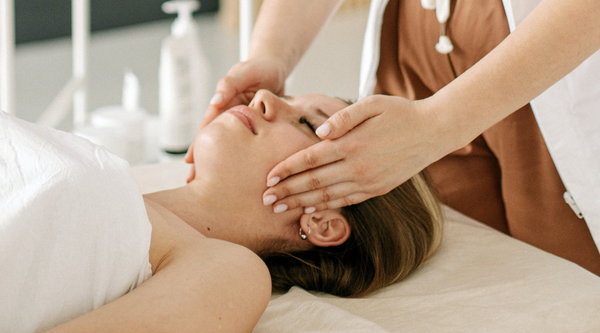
[(266, 103)]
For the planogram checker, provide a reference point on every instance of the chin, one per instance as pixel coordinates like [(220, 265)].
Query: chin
[(220, 143), (230, 159)]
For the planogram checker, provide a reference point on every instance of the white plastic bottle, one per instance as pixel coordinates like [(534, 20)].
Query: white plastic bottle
[(121, 128), (183, 80)]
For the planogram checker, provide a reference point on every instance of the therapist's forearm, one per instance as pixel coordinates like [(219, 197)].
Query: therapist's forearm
[(285, 29), (552, 41)]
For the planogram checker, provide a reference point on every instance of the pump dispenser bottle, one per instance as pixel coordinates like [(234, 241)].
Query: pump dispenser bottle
[(183, 80)]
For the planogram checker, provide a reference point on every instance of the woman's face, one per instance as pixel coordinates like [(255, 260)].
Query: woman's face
[(234, 153)]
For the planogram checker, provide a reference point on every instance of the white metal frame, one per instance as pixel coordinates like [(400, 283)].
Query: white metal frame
[(74, 93), (7, 56), (246, 23)]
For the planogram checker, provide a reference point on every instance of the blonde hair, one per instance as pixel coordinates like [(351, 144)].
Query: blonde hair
[(391, 236)]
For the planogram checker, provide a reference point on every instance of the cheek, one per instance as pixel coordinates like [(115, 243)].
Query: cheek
[(223, 154), (283, 142), (241, 161)]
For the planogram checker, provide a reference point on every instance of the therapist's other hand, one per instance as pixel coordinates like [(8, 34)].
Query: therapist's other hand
[(370, 148), (189, 159), (242, 82)]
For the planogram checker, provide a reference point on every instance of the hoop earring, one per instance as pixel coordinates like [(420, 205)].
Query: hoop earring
[(303, 235)]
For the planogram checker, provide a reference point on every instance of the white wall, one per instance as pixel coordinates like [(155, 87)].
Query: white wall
[(331, 65)]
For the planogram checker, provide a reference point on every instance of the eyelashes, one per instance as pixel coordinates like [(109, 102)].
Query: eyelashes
[(305, 121)]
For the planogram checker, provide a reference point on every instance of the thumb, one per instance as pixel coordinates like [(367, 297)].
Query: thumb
[(189, 155), (237, 81), (227, 88), (225, 96), (345, 120), (211, 113)]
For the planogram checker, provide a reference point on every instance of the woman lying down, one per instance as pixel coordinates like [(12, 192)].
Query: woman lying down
[(81, 250)]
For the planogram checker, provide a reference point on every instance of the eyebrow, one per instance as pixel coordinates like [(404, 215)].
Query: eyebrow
[(318, 110)]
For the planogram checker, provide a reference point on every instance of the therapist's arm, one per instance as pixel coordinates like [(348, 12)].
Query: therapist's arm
[(212, 286), (552, 41), (285, 29), (283, 32), (381, 141)]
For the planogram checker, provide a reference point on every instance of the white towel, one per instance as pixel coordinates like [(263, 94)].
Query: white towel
[(74, 233)]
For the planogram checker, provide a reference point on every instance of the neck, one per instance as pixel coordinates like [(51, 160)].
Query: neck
[(208, 214)]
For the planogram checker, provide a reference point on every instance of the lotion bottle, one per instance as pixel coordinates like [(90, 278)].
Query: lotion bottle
[(121, 128), (183, 80)]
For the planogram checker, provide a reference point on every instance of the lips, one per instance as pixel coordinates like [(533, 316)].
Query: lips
[(245, 115)]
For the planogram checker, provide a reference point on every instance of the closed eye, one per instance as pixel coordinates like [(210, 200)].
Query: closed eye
[(303, 120)]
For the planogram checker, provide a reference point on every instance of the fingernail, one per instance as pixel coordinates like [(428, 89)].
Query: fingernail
[(323, 130), (280, 208), (216, 99), (309, 210), (269, 199), (273, 181)]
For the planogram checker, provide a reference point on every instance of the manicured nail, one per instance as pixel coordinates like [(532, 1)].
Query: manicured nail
[(216, 99), (269, 199), (280, 208), (323, 130), (273, 181), (309, 210)]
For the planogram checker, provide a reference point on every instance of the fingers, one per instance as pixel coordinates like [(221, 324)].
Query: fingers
[(192, 174), (189, 158), (230, 91), (189, 155), (346, 119), (235, 85), (227, 88), (307, 181), (349, 200), (330, 197), (242, 82), (322, 153), (211, 113)]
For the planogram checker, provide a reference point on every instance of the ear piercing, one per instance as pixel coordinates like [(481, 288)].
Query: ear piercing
[(303, 235)]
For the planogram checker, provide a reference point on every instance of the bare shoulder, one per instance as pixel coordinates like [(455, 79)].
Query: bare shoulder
[(209, 286), (229, 259), (198, 285), (174, 239), (221, 284), (227, 286)]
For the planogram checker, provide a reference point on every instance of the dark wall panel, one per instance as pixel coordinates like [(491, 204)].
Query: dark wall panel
[(43, 19)]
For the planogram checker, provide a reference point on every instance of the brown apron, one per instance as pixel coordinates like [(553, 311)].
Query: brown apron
[(504, 178)]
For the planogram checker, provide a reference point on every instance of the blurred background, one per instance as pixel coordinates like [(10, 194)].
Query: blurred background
[(128, 34)]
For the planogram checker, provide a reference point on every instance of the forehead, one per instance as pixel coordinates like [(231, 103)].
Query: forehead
[(327, 104)]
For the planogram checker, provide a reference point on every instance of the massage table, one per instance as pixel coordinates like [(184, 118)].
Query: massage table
[(480, 280)]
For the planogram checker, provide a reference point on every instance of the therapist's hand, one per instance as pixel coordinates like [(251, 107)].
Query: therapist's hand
[(242, 82), (371, 147)]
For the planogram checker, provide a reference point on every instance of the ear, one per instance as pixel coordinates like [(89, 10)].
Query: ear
[(327, 228)]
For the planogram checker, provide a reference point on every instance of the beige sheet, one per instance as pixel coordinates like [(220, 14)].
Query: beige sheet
[(479, 281)]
